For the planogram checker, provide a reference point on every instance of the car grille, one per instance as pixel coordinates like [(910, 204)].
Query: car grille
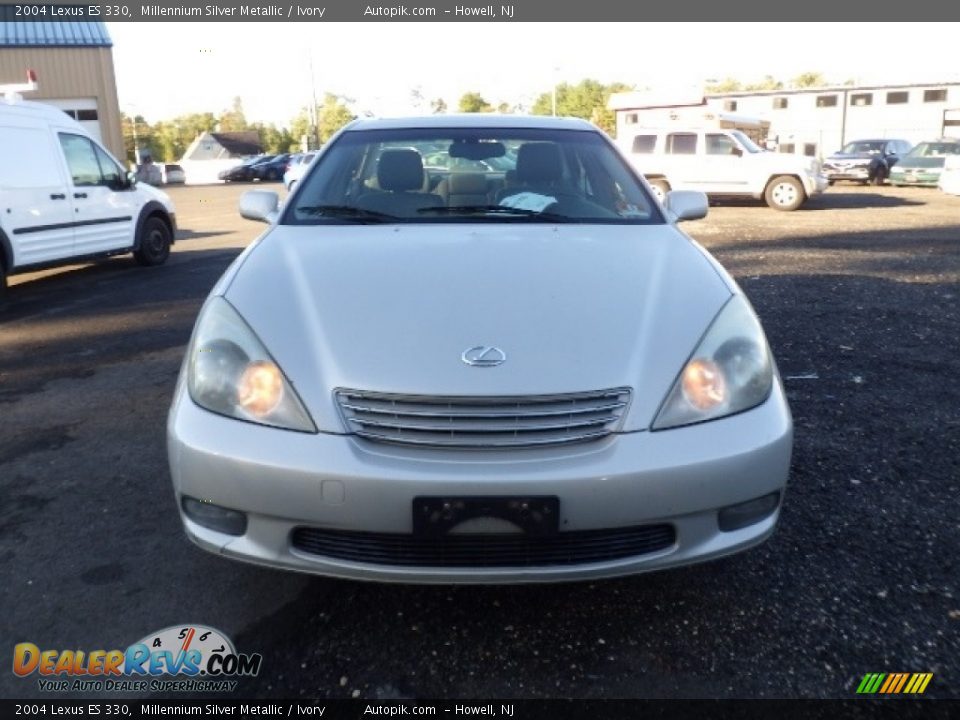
[(481, 422), (490, 550)]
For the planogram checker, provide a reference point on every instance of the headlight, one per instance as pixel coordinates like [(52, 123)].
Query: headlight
[(730, 371), (229, 372)]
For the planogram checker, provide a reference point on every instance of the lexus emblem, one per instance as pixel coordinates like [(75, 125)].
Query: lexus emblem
[(484, 356)]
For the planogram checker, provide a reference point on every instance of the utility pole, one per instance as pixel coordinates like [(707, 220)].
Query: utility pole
[(313, 106)]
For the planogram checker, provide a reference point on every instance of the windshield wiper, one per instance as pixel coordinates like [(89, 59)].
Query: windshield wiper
[(497, 210), (346, 212)]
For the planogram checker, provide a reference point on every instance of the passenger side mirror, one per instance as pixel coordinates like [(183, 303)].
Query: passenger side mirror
[(259, 205), (686, 205)]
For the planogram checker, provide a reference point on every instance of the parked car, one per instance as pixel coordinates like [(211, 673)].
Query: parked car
[(66, 199), (244, 171), (172, 174), (271, 169), (923, 164), (538, 381), (950, 177), (722, 163), (296, 166), (865, 161)]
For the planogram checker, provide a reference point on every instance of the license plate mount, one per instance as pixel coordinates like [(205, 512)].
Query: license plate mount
[(536, 515)]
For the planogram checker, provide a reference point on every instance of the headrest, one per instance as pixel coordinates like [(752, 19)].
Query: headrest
[(400, 170), (467, 184), (539, 162)]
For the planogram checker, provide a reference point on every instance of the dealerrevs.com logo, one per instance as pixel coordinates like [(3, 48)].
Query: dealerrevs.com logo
[(201, 659)]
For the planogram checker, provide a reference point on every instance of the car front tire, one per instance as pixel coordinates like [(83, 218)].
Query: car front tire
[(154, 243), (784, 193)]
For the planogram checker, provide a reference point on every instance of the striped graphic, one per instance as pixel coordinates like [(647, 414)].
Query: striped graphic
[(894, 683)]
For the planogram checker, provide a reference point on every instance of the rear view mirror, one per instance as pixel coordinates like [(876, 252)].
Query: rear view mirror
[(476, 150)]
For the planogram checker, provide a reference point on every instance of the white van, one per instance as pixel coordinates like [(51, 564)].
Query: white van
[(721, 163), (63, 198)]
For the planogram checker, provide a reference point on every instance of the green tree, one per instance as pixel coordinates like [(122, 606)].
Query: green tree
[(473, 102), (727, 85), (275, 140), (587, 99), (809, 80), (769, 82), (233, 120), (332, 115)]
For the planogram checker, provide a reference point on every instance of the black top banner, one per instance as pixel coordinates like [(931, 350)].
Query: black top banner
[(486, 709), (317, 11)]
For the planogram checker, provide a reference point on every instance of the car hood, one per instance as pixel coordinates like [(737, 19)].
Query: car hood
[(393, 308), (921, 162), (852, 156)]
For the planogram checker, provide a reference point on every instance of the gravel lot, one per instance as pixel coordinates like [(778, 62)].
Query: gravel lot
[(858, 293)]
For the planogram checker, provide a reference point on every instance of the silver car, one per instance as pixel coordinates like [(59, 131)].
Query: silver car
[(527, 374)]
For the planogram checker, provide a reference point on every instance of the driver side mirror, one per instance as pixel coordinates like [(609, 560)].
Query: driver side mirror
[(131, 179)]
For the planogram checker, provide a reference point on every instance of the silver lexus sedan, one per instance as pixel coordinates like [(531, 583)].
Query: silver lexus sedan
[(474, 349)]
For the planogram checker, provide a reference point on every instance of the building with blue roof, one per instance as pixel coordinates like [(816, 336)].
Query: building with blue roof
[(74, 66)]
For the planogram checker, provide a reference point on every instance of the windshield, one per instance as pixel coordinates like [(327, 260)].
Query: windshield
[(471, 175), (747, 143), (863, 147), (935, 149)]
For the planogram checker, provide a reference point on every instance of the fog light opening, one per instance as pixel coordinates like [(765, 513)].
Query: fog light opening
[(747, 513), (214, 517)]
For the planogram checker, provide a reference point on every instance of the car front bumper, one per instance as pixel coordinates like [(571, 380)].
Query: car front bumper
[(286, 480), (815, 184), (926, 179), (848, 173)]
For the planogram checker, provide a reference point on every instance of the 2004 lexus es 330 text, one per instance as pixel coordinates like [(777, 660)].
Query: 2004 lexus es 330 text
[(476, 349)]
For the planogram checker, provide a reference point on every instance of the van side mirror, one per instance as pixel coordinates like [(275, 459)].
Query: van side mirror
[(131, 179)]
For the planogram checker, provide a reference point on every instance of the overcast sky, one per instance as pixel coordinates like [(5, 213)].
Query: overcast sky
[(171, 68)]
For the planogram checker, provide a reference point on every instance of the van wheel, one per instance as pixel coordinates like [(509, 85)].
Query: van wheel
[(154, 243), (3, 282), (784, 193), (660, 189)]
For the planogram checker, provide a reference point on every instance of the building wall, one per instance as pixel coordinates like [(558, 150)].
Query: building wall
[(821, 130), (70, 72)]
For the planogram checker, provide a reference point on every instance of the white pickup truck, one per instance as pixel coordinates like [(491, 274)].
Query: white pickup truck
[(722, 163)]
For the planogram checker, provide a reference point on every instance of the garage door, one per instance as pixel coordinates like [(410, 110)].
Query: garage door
[(84, 111)]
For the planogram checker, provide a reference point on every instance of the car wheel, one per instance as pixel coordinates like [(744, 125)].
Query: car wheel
[(831, 183), (784, 193), (154, 245), (273, 176), (660, 189), (3, 283)]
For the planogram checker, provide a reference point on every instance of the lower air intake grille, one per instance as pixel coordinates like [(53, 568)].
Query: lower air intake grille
[(507, 550)]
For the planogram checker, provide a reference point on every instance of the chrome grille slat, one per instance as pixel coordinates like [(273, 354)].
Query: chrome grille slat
[(469, 415), (482, 422)]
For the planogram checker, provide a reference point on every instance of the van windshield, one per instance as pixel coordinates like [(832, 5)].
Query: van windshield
[(747, 143), (471, 175)]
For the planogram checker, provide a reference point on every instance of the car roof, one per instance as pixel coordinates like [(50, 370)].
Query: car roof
[(472, 120)]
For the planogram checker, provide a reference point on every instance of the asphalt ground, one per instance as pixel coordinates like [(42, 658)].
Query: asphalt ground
[(858, 293)]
